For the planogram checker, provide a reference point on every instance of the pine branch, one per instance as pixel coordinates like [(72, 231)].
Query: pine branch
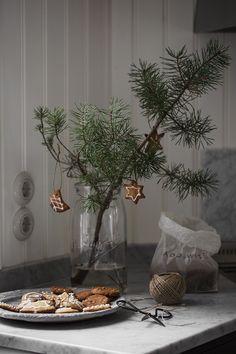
[(196, 73), (184, 78), (40, 113), (149, 86), (51, 126), (191, 129), (107, 149), (185, 182)]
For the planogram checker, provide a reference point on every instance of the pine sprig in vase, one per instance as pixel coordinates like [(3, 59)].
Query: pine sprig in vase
[(106, 152)]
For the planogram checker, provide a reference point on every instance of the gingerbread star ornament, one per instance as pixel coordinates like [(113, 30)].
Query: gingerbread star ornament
[(134, 191)]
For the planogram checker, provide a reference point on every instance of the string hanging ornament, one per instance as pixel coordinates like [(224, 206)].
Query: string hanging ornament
[(56, 201), (133, 190)]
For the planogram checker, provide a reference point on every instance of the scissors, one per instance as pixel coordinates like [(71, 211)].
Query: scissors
[(159, 312)]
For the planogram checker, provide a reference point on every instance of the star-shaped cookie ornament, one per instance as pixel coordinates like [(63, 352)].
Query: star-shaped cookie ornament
[(134, 191)]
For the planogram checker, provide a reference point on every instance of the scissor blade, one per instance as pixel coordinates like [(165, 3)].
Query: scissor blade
[(157, 320), (145, 317)]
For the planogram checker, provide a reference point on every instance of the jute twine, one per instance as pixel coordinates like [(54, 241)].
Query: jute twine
[(167, 288)]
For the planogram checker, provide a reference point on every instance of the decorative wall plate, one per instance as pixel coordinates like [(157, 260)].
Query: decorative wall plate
[(14, 297)]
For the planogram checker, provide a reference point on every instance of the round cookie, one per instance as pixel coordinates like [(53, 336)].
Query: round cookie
[(95, 300), (83, 294), (106, 291), (59, 290)]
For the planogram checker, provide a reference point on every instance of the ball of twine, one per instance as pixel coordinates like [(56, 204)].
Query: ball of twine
[(167, 288)]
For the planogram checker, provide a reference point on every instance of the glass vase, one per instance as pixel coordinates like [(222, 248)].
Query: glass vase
[(101, 262)]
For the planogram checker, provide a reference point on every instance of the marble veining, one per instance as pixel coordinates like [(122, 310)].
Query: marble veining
[(219, 210)]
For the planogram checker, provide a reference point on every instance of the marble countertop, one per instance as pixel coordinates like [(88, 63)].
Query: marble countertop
[(201, 318)]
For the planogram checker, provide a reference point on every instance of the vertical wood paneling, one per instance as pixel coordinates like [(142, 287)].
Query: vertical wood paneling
[(45, 190), (180, 33), (67, 220), (23, 83), (23, 96), (98, 83), (77, 70), (13, 250), (2, 213), (121, 48), (196, 155), (225, 103), (62, 52), (78, 65), (230, 40), (212, 104), (121, 58), (148, 46), (164, 194), (56, 81), (34, 151)]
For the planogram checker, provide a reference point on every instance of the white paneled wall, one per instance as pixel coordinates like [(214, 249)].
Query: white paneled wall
[(61, 52)]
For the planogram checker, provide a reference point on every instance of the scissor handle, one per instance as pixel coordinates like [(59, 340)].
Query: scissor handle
[(165, 313), (127, 305)]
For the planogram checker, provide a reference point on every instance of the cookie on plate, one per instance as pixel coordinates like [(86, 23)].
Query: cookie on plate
[(83, 294), (23, 303), (96, 308), (69, 300), (32, 296), (106, 291), (59, 290), (41, 306), (8, 307), (65, 310), (95, 300), (49, 296)]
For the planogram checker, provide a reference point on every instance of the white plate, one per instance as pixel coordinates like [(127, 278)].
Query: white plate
[(14, 297)]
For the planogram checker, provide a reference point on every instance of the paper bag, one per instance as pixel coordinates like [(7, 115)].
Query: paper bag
[(186, 246)]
